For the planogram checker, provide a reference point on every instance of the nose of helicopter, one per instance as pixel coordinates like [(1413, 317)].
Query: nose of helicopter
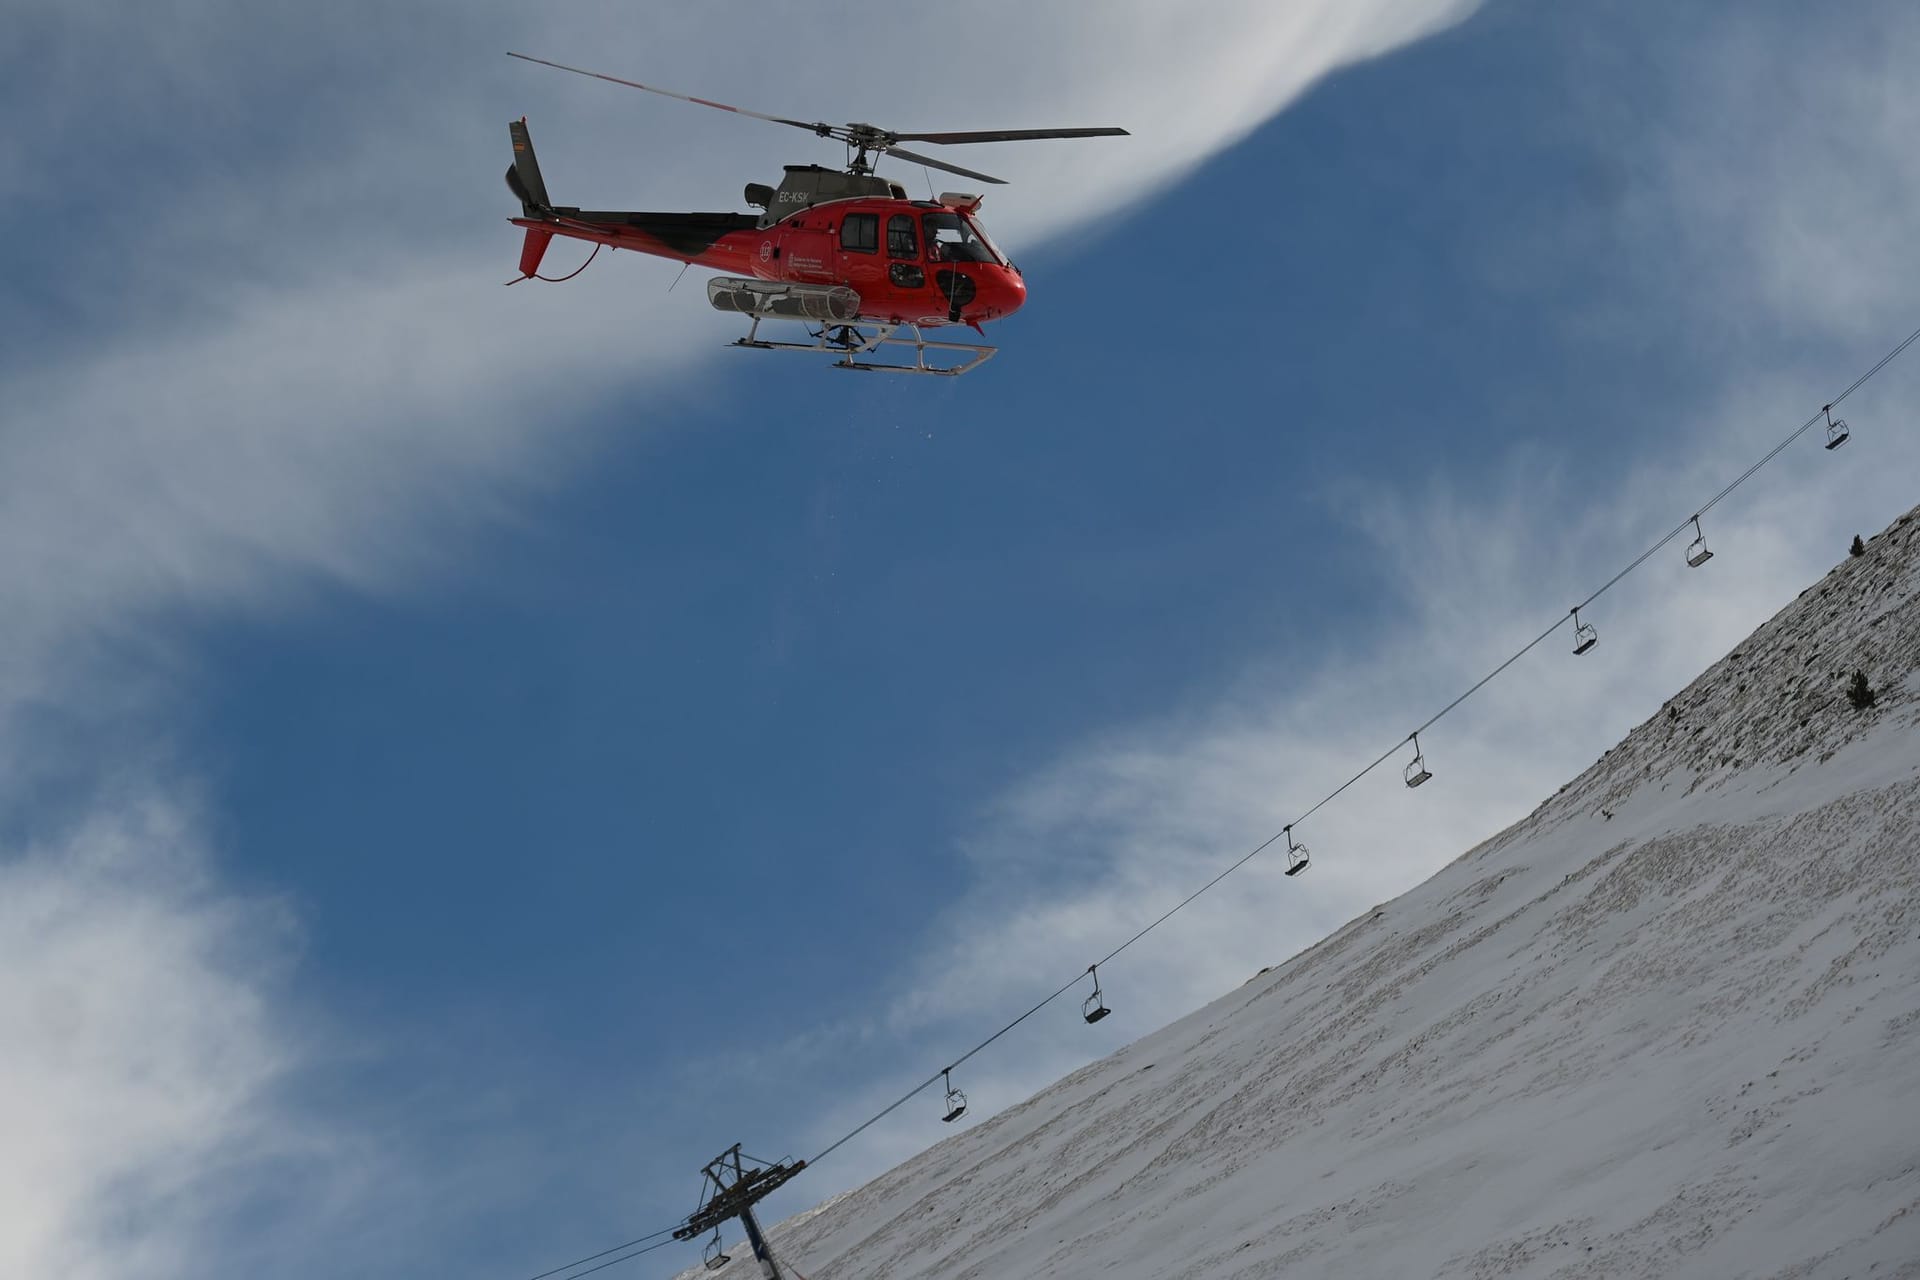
[(1002, 293)]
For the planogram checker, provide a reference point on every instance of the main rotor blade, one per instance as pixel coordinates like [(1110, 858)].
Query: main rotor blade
[(931, 163), (821, 129), (1011, 135)]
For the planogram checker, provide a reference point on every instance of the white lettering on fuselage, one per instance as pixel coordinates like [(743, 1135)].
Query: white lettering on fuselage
[(792, 197)]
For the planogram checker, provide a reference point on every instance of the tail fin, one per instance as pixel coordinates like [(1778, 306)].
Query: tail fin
[(524, 178)]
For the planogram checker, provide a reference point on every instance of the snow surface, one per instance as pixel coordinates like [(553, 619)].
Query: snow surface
[(1682, 1040)]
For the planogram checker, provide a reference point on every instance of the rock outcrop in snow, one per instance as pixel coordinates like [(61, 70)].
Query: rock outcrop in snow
[(1679, 1040)]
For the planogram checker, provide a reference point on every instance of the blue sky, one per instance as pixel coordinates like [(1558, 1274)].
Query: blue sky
[(471, 754)]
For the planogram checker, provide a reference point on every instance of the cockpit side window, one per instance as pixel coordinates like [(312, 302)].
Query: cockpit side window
[(860, 232), (902, 240)]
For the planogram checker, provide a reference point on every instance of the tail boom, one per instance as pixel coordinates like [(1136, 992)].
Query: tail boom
[(724, 240)]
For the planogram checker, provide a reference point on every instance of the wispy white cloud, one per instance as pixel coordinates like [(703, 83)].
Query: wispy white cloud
[(143, 1048), (1792, 170)]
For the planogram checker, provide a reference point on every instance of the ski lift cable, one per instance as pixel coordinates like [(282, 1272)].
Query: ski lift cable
[(937, 1076), (941, 1074), (1478, 685), (568, 1266), (1384, 756), (1684, 525), (1762, 461), (1816, 420), (1250, 855), (1675, 532), (628, 1257)]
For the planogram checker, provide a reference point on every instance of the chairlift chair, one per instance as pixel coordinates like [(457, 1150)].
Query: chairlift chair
[(1296, 854), (1094, 1007), (1698, 552), (1584, 636), (956, 1100), (713, 1257), (1837, 432), (1417, 771)]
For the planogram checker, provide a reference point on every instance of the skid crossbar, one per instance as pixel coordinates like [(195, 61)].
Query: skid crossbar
[(854, 344)]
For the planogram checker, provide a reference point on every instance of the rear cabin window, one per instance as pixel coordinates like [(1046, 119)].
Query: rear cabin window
[(860, 232), (902, 240)]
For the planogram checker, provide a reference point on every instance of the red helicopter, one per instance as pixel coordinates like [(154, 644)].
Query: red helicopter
[(846, 251)]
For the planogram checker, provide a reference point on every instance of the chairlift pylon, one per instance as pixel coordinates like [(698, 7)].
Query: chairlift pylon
[(1417, 771), (1584, 636), (956, 1100), (1837, 432), (1296, 853), (1698, 552), (1094, 1007)]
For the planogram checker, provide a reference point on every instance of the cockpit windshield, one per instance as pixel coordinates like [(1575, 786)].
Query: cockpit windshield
[(952, 237), (987, 240)]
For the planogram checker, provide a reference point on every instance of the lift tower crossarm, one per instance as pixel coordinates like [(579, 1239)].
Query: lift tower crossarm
[(736, 1189)]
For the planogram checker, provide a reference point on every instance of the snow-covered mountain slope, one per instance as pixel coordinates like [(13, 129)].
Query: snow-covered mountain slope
[(1680, 1040)]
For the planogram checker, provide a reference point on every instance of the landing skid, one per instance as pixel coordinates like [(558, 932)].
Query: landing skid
[(855, 344)]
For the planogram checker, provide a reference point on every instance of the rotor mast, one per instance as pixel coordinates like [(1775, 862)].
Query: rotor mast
[(861, 139)]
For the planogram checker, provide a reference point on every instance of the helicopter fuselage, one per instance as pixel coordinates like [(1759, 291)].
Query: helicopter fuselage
[(923, 262)]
